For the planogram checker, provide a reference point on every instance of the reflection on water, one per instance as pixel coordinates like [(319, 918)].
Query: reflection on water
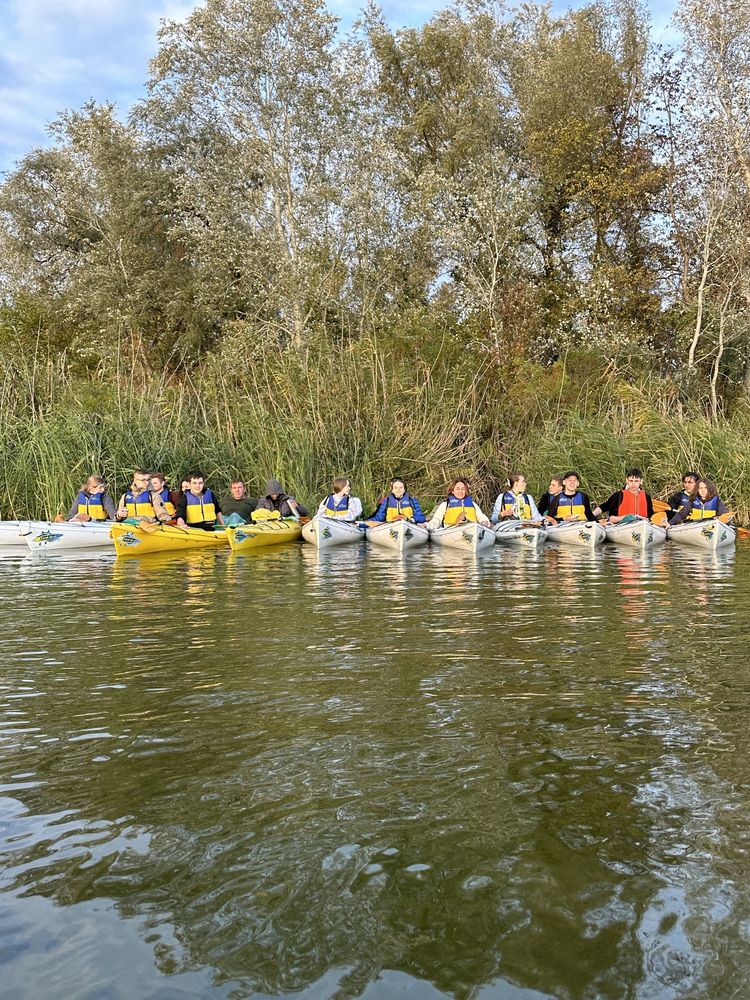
[(348, 774)]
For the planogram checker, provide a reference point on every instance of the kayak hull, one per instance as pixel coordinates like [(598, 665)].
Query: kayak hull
[(639, 533), (586, 534), (468, 537), (132, 540), (398, 536), (253, 536), (324, 532), (60, 536), (517, 533), (709, 534), (12, 532)]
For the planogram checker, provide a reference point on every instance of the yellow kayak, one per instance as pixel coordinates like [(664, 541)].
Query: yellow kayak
[(269, 532), (132, 540)]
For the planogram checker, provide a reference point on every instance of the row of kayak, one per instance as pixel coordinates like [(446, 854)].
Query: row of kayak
[(323, 532)]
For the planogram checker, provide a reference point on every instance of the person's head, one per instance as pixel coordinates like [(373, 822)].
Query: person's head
[(185, 484), (140, 480), (555, 485), (196, 480), (94, 484), (274, 489), (690, 481), (517, 482), (342, 485), (571, 481), (706, 489), (633, 480), (460, 489), (237, 489), (398, 487), (158, 482)]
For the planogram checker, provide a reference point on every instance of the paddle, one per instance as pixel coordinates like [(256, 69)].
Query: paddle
[(660, 507), (660, 519), (727, 518)]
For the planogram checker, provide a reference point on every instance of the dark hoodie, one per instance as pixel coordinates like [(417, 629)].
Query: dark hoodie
[(280, 504)]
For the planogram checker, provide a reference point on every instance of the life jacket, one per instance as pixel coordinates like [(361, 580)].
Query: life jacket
[(517, 504), (701, 510), (682, 499), (168, 505), (200, 510), (337, 508), (457, 507), (92, 504), (139, 506), (571, 506), (396, 508), (632, 503)]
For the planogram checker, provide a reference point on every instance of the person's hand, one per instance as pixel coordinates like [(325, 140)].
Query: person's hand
[(485, 523), (292, 503), (122, 512), (83, 517)]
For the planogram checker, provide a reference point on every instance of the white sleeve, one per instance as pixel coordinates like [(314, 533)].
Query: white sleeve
[(535, 515), (436, 521), (355, 509), (321, 508), (481, 516)]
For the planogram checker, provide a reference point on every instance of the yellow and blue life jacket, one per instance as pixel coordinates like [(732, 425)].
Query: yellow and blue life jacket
[(202, 509), (456, 507), (701, 510), (574, 506), (139, 506), (168, 505), (337, 508), (516, 503), (92, 504), (396, 508)]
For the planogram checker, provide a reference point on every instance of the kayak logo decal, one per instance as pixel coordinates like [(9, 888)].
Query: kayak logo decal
[(48, 536), (584, 535), (708, 531), (408, 533), (528, 536), (240, 535), (130, 539), (326, 532), (393, 533)]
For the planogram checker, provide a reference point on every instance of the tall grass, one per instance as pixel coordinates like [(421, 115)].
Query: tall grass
[(360, 411)]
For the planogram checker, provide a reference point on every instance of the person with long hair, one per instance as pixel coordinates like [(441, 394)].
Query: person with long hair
[(686, 494), (514, 502), (340, 503), (705, 503), (398, 505), (458, 507)]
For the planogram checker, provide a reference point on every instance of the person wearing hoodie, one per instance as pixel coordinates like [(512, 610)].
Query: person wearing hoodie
[(275, 498)]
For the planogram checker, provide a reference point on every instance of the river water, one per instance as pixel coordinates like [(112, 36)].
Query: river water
[(348, 775)]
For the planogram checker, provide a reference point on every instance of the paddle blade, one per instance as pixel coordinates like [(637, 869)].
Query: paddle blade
[(660, 506), (660, 519), (726, 518)]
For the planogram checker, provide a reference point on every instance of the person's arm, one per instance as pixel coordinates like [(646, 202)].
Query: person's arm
[(721, 507), (535, 515), (681, 514), (649, 506), (160, 511), (482, 518), (301, 511), (436, 521), (109, 507), (122, 510), (674, 501), (612, 504), (73, 512), (497, 507), (587, 508), (544, 503), (419, 517), (355, 509), (181, 511), (381, 512), (264, 504)]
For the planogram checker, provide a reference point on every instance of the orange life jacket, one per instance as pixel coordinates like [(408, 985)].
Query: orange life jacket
[(633, 503)]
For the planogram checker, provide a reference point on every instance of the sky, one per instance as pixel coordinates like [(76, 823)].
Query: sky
[(58, 55)]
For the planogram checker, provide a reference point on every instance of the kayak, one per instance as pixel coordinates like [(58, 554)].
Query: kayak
[(469, 536), (325, 531), (252, 536), (12, 532), (518, 533), (707, 534), (400, 536), (636, 531), (584, 533), (132, 540), (58, 536)]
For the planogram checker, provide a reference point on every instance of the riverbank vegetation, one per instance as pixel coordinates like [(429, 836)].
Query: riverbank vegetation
[(504, 239)]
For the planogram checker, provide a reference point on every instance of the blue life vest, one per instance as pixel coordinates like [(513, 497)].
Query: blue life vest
[(700, 510), (396, 508), (571, 506), (201, 509), (456, 507), (92, 504), (139, 506), (336, 508)]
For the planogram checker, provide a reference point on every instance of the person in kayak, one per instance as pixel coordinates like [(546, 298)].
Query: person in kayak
[(515, 503), (136, 502), (161, 499), (198, 507), (398, 506), (238, 505), (571, 503), (686, 494), (93, 503), (705, 503), (632, 500), (275, 498), (554, 488), (340, 503), (458, 507)]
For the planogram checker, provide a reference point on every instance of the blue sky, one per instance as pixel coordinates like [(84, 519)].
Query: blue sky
[(57, 55)]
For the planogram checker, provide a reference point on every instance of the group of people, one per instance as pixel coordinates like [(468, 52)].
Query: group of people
[(195, 505)]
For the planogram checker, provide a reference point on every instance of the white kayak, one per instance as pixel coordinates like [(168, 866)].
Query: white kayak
[(469, 536), (57, 536), (710, 533), (323, 532), (12, 532), (400, 536), (583, 533), (636, 531), (520, 533)]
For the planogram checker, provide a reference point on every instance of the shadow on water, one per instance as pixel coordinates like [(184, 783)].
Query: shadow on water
[(345, 774)]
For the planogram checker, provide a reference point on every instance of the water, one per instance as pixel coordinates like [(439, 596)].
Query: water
[(349, 775)]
